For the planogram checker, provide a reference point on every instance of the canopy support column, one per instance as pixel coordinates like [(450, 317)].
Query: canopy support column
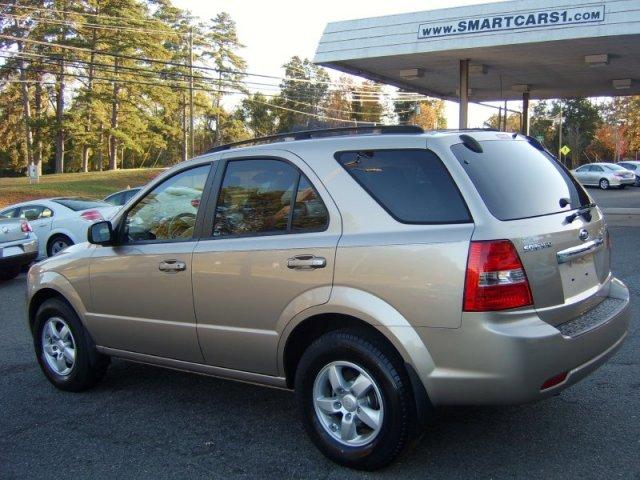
[(525, 112), (464, 94)]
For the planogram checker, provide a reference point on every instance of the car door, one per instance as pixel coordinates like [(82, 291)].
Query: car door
[(582, 174), (273, 231), (596, 172), (141, 288)]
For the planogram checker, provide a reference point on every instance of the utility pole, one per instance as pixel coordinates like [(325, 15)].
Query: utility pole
[(191, 129)]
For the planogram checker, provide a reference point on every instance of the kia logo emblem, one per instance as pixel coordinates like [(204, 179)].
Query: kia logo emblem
[(583, 235)]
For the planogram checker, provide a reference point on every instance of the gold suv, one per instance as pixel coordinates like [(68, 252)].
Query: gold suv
[(377, 272)]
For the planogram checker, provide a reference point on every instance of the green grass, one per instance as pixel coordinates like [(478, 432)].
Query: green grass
[(93, 184)]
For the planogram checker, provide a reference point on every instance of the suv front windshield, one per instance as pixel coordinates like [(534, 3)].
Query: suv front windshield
[(517, 181)]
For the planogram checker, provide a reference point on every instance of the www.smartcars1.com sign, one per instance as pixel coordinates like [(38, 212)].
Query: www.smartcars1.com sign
[(515, 21)]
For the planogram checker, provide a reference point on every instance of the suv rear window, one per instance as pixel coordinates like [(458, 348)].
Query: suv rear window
[(413, 186), (517, 181), (79, 203)]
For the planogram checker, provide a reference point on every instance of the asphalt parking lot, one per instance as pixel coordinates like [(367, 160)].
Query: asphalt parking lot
[(615, 198), (145, 422)]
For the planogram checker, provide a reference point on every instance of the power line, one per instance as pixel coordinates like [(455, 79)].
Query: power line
[(163, 62)]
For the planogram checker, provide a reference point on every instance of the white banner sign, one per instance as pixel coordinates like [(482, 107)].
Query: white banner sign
[(515, 21)]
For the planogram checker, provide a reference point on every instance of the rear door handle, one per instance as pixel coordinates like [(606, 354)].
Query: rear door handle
[(306, 262), (172, 266)]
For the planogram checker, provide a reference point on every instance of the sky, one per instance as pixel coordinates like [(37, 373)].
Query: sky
[(274, 31)]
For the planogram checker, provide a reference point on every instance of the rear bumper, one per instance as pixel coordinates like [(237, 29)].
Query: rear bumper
[(505, 359), (622, 181), (29, 252)]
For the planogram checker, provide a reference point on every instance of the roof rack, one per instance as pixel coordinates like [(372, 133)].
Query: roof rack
[(325, 132)]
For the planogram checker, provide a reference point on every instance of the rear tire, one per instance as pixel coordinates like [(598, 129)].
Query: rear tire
[(603, 184), (65, 352), (57, 243), (9, 273), (383, 412)]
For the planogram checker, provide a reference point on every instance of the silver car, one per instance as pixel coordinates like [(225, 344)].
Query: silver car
[(634, 167), (18, 246), (378, 272), (604, 175)]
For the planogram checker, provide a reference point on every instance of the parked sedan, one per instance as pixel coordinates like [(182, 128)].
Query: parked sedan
[(604, 175), (18, 246), (633, 166), (123, 196), (60, 222)]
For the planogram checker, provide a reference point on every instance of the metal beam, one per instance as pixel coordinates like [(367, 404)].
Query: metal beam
[(464, 94), (525, 113)]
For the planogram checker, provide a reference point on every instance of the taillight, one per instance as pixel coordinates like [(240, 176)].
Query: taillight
[(92, 215), (496, 279), (25, 227)]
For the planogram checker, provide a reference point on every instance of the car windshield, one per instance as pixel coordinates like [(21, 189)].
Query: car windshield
[(615, 168), (79, 203)]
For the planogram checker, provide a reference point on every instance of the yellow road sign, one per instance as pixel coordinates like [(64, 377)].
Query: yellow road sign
[(565, 150)]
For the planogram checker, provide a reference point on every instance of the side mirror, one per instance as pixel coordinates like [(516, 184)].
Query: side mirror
[(101, 233)]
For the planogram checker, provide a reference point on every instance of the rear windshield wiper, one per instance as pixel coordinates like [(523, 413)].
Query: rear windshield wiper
[(584, 212)]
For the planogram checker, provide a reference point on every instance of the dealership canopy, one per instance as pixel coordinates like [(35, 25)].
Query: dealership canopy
[(495, 51)]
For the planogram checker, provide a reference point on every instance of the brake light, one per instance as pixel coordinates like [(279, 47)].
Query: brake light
[(92, 216), (496, 279), (25, 227)]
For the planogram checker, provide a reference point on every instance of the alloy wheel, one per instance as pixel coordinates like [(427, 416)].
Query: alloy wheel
[(58, 346), (348, 403)]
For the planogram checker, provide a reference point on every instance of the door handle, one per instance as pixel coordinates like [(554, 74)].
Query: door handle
[(172, 266), (306, 262)]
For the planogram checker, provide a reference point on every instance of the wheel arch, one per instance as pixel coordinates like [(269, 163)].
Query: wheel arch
[(356, 309), (52, 285)]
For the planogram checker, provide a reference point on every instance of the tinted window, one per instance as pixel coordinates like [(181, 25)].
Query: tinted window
[(78, 203), (412, 185), (629, 166), (309, 213), (115, 199), (255, 198), (517, 180), (168, 212), (129, 194), (11, 213), (583, 169), (596, 168), (35, 212), (615, 168)]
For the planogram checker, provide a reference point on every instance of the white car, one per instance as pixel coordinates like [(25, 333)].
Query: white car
[(604, 175), (633, 166), (60, 222)]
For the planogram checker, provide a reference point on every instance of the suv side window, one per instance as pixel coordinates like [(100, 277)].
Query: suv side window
[(413, 186), (257, 196), (168, 212)]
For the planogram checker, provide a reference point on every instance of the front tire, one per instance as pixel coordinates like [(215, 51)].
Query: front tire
[(64, 349), (603, 184), (355, 400)]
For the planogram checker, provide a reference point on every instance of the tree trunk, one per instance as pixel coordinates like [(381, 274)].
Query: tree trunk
[(113, 142), (184, 127), (89, 106), (26, 110), (99, 153), (38, 127), (59, 120)]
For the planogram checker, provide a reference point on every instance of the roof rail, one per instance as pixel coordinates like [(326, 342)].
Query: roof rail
[(325, 132)]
